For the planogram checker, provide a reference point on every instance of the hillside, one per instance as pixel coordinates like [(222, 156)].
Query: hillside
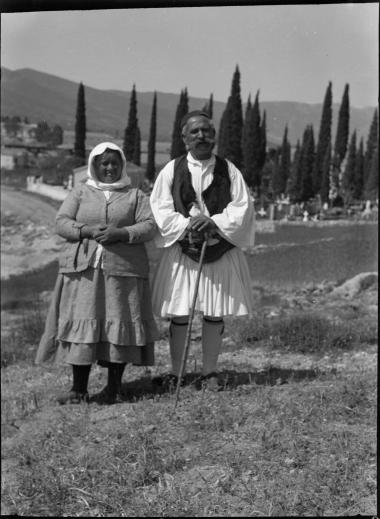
[(39, 96)]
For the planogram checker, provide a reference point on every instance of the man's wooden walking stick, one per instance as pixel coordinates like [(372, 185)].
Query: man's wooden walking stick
[(188, 334)]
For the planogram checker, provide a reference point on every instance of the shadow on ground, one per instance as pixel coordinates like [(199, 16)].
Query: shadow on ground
[(227, 380)]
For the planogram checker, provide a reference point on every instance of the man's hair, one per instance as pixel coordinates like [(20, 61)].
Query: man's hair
[(194, 113)]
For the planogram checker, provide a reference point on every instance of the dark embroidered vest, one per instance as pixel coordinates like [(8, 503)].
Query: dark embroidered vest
[(216, 197)]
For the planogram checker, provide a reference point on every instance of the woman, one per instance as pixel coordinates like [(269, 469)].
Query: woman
[(101, 305)]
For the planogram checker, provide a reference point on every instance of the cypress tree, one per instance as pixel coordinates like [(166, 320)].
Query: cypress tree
[(230, 142), (209, 107), (246, 140), (324, 138), (269, 174), (284, 164), (131, 144), (371, 190), (136, 159), (80, 125), (276, 179), (178, 147), (326, 174), (307, 162), (294, 182), (372, 141), (222, 134), (341, 140), (253, 154), (348, 180), (342, 132), (57, 135), (263, 141), (151, 168), (265, 190), (359, 172), (42, 131)]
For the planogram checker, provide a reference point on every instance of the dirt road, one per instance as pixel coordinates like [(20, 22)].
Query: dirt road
[(28, 239), (27, 206)]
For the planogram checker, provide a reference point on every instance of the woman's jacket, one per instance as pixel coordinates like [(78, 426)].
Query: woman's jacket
[(128, 208)]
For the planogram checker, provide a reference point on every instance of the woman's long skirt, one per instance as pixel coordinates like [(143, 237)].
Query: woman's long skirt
[(98, 317)]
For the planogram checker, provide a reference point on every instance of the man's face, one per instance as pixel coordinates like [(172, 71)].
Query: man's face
[(199, 137)]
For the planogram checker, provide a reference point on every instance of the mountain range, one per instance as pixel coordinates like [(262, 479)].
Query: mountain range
[(41, 96)]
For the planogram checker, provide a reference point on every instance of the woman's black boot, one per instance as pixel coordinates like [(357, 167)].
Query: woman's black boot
[(112, 392), (78, 393)]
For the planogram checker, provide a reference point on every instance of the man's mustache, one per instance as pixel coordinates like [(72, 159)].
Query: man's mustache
[(207, 140)]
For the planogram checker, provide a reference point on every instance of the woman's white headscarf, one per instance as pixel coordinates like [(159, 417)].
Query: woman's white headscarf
[(92, 179)]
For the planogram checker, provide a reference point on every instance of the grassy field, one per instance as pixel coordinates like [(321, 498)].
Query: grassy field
[(297, 254), (291, 433)]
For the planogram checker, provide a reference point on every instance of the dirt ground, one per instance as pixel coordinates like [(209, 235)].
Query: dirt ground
[(28, 240)]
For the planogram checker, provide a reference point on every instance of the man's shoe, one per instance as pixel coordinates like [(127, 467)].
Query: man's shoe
[(167, 382), (73, 397), (211, 381), (108, 396)]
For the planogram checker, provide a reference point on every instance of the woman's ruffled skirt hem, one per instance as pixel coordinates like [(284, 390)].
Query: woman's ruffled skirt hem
[(95, 317)]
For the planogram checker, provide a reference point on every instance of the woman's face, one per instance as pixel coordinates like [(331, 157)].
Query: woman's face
[(108, 166)]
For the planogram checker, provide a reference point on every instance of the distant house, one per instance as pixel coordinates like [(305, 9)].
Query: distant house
[(24, 132), (8, 161), (13, 157), (136, 174), (33, 147), (23, 155)]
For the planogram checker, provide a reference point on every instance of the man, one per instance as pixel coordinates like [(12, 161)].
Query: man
[(195, 197)]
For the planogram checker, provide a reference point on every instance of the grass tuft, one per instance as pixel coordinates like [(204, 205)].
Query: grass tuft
[(21, 332), (306, 333)]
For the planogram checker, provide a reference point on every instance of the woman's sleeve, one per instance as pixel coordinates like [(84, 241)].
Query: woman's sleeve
[(237, 221), (66, 224), (170, 223), (145, 227)]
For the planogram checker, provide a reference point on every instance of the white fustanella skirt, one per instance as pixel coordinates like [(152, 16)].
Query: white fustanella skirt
[(224, 287)]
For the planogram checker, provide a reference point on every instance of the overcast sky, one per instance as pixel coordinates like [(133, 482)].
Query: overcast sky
[(289, 52)]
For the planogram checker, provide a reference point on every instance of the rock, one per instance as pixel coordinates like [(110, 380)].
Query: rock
[(355, 285)]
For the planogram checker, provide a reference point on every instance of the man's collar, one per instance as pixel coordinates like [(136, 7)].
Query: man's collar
[(206, 162)]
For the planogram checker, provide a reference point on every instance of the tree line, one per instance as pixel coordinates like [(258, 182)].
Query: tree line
[(339, 173), (42, 132)]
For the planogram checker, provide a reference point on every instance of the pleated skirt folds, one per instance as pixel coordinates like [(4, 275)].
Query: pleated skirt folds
[(224, 287), (98, 317)]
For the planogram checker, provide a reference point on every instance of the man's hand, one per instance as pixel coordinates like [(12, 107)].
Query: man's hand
[(110, 234), (202, 223)]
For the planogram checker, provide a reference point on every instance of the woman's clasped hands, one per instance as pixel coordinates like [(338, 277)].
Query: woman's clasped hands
[(105, 234)]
